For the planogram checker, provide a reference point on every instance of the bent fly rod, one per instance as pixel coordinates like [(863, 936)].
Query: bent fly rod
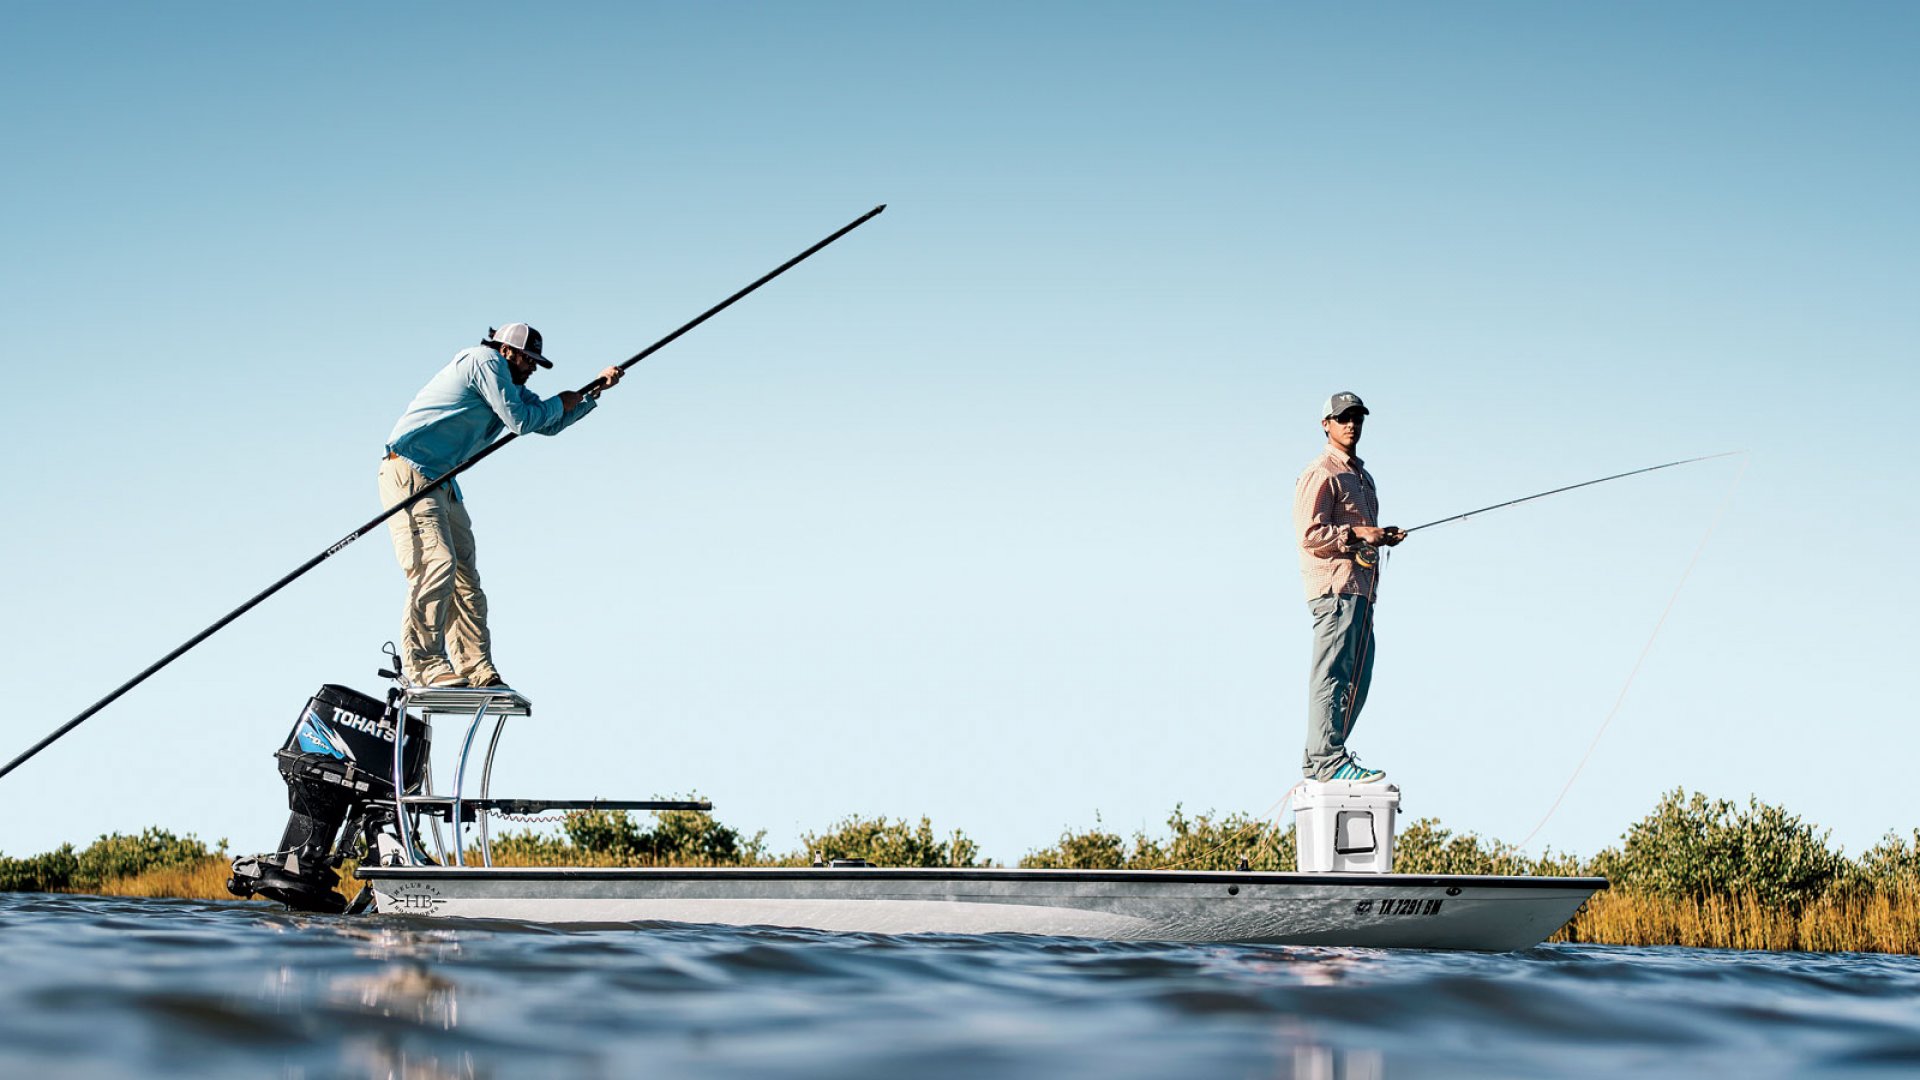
[(1555, 491), (408, 502), (1369, 556)]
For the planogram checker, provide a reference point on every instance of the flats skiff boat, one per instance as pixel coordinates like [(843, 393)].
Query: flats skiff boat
[(359, 780)]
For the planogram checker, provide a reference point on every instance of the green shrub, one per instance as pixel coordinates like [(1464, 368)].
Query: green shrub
[(48, 872), (113, 856), (1095, 849), (1690, 848), (1425, 848), (124, 856), (693, 835), (676, 836), (1890, 866), (889, 843), (1203, 843), (531, 848), (605, 832)]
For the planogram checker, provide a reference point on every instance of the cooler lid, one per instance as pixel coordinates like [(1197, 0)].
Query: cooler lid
[(1347, 794)]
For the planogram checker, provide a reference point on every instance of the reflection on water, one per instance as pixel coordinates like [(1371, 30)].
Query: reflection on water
[(382, 1057), (406, 989), (1326, 1063), (408, 992), (1322, 970), (143, 987)]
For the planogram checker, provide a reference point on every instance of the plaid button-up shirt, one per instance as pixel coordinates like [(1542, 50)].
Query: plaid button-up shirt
[(1333, 495)]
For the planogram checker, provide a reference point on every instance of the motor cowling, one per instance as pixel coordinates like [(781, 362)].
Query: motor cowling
[(338, 766)]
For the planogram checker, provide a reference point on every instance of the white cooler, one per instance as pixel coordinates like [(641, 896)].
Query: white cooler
[(1344, 827)]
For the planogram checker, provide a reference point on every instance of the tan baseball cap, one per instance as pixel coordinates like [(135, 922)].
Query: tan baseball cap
[(1341, 402), (525, 338)]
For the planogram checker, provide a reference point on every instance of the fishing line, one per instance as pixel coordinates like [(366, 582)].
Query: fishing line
[(1746, 459)]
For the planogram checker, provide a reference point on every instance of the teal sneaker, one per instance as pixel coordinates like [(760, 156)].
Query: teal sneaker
[(1352, 770)]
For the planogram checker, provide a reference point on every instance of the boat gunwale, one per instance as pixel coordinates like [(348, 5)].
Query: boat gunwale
[(916, 873)]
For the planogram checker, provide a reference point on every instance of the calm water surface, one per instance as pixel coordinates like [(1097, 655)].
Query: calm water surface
[(116, 987)]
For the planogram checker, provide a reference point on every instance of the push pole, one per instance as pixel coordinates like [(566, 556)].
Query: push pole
[(408, 502)]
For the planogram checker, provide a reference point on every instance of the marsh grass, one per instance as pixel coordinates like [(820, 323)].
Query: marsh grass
[(1693, 872), (204, 878), (1869, 922)]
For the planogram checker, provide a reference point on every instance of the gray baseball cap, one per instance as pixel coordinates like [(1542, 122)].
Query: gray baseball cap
[(527, 340), (1341, 402)]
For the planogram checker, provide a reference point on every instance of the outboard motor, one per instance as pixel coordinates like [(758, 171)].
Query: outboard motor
[(338, 765)]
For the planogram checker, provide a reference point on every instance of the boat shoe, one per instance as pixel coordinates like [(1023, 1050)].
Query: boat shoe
[(1355, 772)]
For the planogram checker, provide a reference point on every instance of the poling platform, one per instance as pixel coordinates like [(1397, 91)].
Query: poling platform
[(479, 705)]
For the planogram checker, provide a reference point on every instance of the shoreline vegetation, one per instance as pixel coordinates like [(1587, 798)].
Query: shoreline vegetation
[(1693, 872)]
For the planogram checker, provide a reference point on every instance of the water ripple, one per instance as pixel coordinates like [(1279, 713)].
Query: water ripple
[(113, 986)]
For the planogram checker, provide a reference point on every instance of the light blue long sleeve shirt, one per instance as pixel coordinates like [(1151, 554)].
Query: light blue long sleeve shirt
[(466, 406)]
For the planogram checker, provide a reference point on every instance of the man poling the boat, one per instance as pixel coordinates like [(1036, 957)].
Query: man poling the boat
[(401, 507), (443, 635), (1336, 511)]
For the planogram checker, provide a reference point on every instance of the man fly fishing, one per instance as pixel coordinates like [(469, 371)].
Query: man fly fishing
[(1336, 512), (443, 634)]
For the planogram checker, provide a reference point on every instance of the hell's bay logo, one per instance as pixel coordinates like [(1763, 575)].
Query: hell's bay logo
[(413, 898)]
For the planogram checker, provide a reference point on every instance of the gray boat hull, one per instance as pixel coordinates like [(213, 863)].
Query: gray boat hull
[(1361, 910)]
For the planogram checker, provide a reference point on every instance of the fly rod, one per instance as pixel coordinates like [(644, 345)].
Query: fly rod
[(1569, 487), (1369, 556), (408, 502)]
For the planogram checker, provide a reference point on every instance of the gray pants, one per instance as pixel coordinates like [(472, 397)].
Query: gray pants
[(1337, 684)]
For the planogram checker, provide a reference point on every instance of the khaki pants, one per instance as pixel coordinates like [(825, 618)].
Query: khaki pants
[(444, 628)]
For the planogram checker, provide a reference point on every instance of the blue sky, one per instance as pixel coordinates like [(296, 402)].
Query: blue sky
[(982, 513)]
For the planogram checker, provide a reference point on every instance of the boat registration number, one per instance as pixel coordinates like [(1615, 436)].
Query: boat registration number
[(1398, 906)]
